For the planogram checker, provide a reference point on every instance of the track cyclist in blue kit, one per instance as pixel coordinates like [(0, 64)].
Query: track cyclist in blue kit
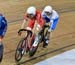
[(3, 29), (51, 18)]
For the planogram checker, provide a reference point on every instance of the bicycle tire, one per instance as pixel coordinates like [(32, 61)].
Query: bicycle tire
[(20, 51), (33, 51)]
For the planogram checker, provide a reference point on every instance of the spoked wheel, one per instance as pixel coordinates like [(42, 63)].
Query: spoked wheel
[(1, 52), (21, 49)]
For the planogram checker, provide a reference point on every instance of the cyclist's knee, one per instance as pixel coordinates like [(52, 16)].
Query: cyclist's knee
[(28, 28)]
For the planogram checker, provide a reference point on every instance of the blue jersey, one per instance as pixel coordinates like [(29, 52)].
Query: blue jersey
[(52, 18), (3, 25)]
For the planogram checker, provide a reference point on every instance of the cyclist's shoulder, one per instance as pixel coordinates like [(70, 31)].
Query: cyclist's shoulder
[(55, 14)]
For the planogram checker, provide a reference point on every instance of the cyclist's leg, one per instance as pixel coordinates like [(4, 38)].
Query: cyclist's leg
[(53, 25), (2, 34), (1, 47), (49, 31), (46, 36), (47, 39), (41, 33), (30, 27), (38, 35), (1, 44)]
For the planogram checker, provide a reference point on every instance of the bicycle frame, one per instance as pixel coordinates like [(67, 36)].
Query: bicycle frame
[(39, 36), (28, 44), (28, 37)]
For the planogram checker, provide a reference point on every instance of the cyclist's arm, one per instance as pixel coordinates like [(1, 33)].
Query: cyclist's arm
[(23, 24), (40, 24), (40, 21), (22, 27), (5, 24), (51, 24), (24, 21)]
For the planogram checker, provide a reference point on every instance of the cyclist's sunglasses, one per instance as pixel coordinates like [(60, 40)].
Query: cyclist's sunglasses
[(30, 15), (47, 13)]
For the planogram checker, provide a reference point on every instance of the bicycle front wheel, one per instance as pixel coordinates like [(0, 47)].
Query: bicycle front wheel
[(21, 48)]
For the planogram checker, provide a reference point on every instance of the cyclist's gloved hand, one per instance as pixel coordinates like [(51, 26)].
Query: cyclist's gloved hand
[(19, 33), (50, 30), (30, 33)]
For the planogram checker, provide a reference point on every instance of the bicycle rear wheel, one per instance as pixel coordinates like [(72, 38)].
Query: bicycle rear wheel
[(21, 48)]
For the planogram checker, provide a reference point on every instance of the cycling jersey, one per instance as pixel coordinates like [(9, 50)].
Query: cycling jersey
[(37, 18), (53, 18), (3, 25)]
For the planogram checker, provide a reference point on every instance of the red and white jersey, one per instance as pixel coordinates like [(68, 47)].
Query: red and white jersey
[(37, 18)]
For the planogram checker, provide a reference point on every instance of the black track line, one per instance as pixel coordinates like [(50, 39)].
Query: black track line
[(53, 51), (60, 11), (52, 39)]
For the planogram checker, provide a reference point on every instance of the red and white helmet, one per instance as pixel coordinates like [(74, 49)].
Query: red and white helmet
[(48, 9), (31, 10)]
